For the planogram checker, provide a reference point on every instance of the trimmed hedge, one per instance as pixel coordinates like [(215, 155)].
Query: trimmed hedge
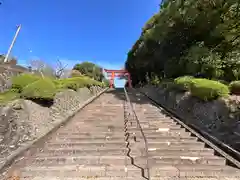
[(235, 87), (42, 89), (35, 87), (22, 80), (208, 89), (183, 83), (76, 83)]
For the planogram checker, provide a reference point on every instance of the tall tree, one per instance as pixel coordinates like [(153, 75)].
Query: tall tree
[(90, 69), (188, 37)]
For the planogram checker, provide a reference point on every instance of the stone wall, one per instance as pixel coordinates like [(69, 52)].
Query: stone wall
[(219, 118), (22, 121)]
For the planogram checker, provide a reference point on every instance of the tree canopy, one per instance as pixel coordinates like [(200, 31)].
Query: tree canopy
[(188, 37), (90, 69)]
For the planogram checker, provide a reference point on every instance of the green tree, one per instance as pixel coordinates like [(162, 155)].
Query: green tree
[(90, 69), (187, 37)]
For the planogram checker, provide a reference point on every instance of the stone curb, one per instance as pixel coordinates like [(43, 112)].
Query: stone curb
[(22, 149)]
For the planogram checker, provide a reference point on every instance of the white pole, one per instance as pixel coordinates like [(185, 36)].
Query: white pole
[(13, 41)]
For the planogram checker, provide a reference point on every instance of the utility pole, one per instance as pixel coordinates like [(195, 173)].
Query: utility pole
[(13, 41)]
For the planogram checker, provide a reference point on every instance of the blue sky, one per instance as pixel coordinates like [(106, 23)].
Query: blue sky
[(75, 30)]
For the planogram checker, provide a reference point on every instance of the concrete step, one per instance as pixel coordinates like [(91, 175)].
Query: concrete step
[(173, 128), (141, 147), (152, 125), (154, 120), (113, 136), (88, 177), (101, 133), (99, 127), (200, 167), (160, 123), (157, 118), (82, 171), (99, 120), (101, 123), (180, 145), (193, 172), (169, 139), (180, 133), (92, 129), (63, 141), (159, 130), (167, 152), (86, 145), (176, 147), (156, 138), (78, 160), (80, 152), (86, 148), (163, 134), (186, 160), (90, 138)]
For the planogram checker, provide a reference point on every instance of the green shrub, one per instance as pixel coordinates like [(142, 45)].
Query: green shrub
[(19, 82), (155, 80), (5, 97), (76, 73), (75, 83), (235, 87), (221, 81), (106, 83), (208, 89), (43, 89), (69, 83), (183, 83)]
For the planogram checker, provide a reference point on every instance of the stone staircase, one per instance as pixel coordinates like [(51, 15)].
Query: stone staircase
[(92, 146), (173, 152)]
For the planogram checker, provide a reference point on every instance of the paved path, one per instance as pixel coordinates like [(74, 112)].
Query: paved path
[(92, 146)]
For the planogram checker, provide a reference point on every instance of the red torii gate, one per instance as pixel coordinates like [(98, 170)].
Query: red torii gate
[(118, 73)]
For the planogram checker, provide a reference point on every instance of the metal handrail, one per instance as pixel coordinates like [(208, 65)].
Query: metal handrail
[(126, 134), (141, 130)]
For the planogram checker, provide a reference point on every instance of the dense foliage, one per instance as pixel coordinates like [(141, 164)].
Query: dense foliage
[(19, 82), (90, 69), (188, 37), (184, 82), (30, 86), (208, 89), (201, 88), (44, 88), (235, 87)]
